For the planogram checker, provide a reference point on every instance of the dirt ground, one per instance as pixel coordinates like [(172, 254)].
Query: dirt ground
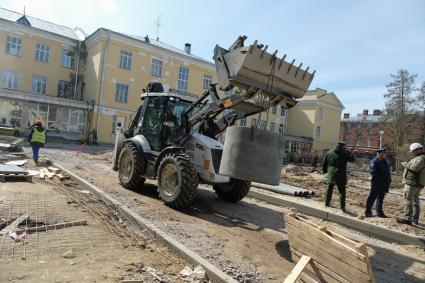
[(107, 249), (357, 192), (247, 240)]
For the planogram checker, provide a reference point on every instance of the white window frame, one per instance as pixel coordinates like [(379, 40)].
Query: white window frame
[(126, 59), (295, 146), (121, 93), (75, 127), (10, 79), (38, 84), (272, 127), (318, 131), (156, 68), (183, 81), (254, 122), (14, 45), (263, 125), (207, 81), (321, 112), (243, 122), (282, 111), (42, 53), (274, 109), (67, 60)]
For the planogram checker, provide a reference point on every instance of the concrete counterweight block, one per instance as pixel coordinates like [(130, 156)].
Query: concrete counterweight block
[(252, 154)]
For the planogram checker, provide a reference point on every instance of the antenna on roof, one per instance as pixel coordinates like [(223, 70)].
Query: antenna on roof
[(24, 10), (158, 25)]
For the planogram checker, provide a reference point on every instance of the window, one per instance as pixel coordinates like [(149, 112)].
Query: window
[(281, 129), (321, 112), (295, 146), (282, 111), (156, 70), (243, 122), (125, 59), (183, 79), (318, 129), (272, 127), (14, 45), (274, 108), (67, 58), (207, 81), (65, 89), (254, 122), (263, 125), (77, 121), (39, 84), (121, 94), (10, 79), (42, 53), (114, 123)]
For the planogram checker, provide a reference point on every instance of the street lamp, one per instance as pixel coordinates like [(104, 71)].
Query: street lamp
[(380, 138)]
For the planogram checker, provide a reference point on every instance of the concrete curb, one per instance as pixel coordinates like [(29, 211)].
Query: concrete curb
[(369, 229), (214, 274)]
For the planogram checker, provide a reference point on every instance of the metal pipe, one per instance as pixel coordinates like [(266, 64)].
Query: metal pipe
[(283, 189)]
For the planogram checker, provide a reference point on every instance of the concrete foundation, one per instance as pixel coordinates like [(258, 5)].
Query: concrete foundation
[(252, 154)]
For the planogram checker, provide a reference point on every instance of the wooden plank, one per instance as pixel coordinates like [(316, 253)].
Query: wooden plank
[(328, 275), (307, 278), (363, 249), (347, 271), (324, 237), (54, 169), (338, 237), (322, 245), (12, 226), (298, 268), (55, 226)]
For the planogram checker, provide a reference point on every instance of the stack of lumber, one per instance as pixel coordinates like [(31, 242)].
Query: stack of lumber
[(325, 256), (51, 172)]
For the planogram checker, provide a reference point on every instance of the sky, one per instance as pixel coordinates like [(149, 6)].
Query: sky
[(354, 45)]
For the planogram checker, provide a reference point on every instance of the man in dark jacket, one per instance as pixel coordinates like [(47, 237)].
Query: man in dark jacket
[(380, 183), (335, 164), (37, 138)]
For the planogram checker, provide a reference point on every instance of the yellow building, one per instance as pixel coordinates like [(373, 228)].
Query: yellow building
[(37, 68), (39, 63), (119, 66), (313, 124)]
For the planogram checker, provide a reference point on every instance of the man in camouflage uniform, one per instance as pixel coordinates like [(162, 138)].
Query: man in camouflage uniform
[(335, 164), (414, 181)]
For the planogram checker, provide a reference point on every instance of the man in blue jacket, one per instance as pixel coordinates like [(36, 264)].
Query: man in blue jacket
[(380, 183)]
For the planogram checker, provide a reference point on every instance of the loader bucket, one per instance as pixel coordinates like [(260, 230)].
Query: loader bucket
[(253, 69)]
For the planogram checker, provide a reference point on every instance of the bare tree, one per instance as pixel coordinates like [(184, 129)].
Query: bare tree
[(398, 106), (420, 99)]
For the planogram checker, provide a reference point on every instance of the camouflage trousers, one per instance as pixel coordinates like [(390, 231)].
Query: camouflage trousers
[(411, 202)]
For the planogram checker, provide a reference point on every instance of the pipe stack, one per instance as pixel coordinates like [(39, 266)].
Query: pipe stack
[(284, 189)]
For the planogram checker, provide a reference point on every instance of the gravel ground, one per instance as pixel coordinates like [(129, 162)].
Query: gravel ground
[(247, 240)]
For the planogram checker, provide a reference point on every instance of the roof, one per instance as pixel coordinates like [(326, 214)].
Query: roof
[(168, 47), (364, 118), (39, 24)]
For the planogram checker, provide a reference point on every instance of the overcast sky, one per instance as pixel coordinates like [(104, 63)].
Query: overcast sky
[(354, 45)]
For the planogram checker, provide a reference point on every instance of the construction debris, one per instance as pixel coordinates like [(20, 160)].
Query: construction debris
[(16, 162), (284, 189), (13, 171), (195, 275), (55, 226), (12, 226)]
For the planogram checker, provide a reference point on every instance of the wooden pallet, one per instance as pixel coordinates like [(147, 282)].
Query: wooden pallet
[(324, 256), (5, 177)]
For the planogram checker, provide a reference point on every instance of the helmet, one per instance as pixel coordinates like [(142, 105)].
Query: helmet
[(415, 146)]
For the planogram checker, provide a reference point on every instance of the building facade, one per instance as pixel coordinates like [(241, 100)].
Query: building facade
[(82, 85), (313, 123)]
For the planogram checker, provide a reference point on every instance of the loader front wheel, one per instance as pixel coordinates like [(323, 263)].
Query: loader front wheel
[(177, 180), (233, 191), (131, 166)]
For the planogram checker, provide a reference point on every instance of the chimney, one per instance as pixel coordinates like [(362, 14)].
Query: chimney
[(187, 47), (147, 39), (365, 112), (376, 112), (346, 115)]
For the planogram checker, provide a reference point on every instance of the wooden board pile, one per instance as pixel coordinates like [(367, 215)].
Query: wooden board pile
[(51, 172), (325, 256)]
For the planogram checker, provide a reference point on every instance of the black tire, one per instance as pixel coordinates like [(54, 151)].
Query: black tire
[(233, 191), (177, 181), (131, 166)]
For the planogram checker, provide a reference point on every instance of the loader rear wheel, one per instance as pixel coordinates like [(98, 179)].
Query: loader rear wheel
[(233, 191), (177, 180), (131, 166)]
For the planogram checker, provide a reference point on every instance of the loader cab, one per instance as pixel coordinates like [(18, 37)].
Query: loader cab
[(159, 119)]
